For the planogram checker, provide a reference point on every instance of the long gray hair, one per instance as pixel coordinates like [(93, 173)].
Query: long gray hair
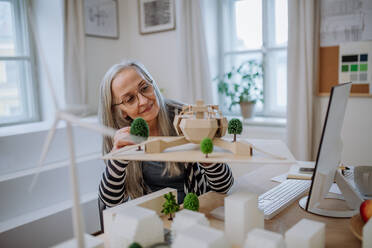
[(113, 117)]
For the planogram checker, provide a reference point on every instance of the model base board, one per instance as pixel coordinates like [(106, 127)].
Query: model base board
[(191, 153)]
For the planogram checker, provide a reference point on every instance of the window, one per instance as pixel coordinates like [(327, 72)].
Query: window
[(17, 94), (257, 30)]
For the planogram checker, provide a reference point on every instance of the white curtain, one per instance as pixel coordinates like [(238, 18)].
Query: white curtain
[(193, 65), (303, 45), (74, 56)]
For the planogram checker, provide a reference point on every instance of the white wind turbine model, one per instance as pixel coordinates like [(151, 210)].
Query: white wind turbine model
[(65, 115)]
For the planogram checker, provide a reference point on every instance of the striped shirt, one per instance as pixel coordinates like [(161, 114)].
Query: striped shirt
[(198, 179)]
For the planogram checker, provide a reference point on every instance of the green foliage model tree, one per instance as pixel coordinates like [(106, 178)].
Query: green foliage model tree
[(140, 128), (191, 202), (206, 146), (235, 127), (170, 205), (135, 245)]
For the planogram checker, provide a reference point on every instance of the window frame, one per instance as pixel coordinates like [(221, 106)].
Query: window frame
[(28, 87), (226, 10)]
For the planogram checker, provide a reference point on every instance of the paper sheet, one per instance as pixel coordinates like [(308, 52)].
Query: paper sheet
[(345, 21)]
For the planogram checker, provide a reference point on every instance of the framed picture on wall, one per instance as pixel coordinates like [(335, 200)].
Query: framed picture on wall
[(156, 16), (101, 18)]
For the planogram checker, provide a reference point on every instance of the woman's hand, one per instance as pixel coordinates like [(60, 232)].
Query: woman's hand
[(122, 138)]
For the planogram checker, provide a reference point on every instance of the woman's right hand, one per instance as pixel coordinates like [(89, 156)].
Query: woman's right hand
[(122, 138)]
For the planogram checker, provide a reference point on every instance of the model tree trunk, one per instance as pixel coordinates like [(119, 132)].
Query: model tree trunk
[(206, 155), (234, 138), (139, 148), (170, 217)]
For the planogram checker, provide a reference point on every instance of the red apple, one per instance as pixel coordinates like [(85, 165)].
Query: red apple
[(366, 210)]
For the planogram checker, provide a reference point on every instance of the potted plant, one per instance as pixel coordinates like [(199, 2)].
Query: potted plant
[(242, 85)]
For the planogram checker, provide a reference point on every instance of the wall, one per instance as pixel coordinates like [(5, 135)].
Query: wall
[(102, 53), (356, 132), (157, 51)]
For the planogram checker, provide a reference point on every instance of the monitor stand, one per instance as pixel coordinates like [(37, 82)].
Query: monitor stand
[(350, 195)]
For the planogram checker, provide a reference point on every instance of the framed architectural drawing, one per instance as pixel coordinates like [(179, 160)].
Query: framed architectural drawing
[(101, 18), (156, 16)]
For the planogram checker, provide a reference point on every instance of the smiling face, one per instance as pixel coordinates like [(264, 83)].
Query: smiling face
[(127, 87)]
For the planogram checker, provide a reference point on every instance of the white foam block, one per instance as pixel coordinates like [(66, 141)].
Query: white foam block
[(367, 234), (153, 201), (136, 224), (307, 234), (90, 242), (263, 238), (186, 218), (201, 237), (241, 216)]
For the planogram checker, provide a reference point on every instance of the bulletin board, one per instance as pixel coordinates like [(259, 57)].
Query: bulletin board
[(349, 62), (345, 46)]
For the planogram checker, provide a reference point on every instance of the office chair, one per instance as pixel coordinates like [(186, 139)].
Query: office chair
[(101, 207)]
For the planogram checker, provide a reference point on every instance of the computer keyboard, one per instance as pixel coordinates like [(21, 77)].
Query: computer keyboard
[(278, 198)]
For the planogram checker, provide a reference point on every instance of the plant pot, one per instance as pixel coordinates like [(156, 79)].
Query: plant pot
[(247, 109)]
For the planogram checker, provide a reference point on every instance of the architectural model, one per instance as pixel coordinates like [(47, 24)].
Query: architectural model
[(193, 124), (186, 218), (200, 236), (307, 234), (241, 216), (135, 224), (263, 238), (153, 201)]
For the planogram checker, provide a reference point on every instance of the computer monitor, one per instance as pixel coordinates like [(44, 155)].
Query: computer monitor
[(328, 160)]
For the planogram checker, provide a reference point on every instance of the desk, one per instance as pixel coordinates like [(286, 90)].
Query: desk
[(338, 233), (258, 181)]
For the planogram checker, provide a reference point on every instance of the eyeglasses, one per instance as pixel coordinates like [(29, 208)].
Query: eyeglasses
[(131, 100)]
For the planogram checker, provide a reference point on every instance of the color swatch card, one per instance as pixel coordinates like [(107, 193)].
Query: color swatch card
[(355, 65)]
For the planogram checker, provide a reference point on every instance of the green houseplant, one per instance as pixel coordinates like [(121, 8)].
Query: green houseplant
[(243, 85)]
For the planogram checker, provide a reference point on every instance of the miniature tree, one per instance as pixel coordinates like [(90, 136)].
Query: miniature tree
[(235, 127), (170, 205), (140, 128), (206, 146), (135, 245), (191, 202)]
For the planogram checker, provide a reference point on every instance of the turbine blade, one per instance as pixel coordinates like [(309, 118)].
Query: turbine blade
[(107, 131)]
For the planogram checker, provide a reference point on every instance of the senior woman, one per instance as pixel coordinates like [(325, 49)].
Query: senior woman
[(128, 91)]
